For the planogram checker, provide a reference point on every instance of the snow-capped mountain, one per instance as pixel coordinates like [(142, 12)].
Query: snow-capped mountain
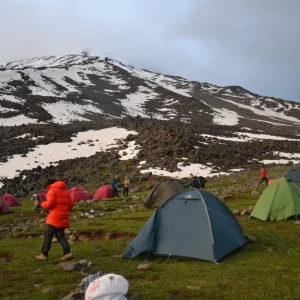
[(61, 89), (61, 114)]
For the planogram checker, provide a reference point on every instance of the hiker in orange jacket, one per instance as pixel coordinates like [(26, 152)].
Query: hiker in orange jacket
[(263, 176), (59, 204)]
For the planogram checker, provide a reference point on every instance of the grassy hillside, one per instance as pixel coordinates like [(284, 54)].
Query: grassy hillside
[(265, 269)]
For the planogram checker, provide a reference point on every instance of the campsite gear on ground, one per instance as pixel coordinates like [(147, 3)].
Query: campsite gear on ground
[(107, 287), (77, 296), (294, 174), (79, 193), (4, 208), (126, 187), (59, 204), (83, 285), (279, 201), (191, 224), (114, 186), (162, 192), (263, 176), (10, 200), (104, 192)]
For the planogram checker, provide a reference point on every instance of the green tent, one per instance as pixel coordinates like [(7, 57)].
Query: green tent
[(279, 201)]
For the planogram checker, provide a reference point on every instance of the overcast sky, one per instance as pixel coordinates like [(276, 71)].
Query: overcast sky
[(252, 43)]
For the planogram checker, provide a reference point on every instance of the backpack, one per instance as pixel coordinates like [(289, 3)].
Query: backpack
[(202, 181)]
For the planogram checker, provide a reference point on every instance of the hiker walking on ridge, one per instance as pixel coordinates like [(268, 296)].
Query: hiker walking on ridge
[(59, 204), (126, 186), (263, 176)]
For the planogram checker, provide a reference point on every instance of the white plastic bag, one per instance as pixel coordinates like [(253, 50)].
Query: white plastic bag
[(107, 287)]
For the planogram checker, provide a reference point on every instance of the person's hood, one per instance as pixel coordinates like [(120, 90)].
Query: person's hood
[(57, 185)]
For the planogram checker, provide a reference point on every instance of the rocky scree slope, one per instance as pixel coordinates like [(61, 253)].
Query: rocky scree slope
[(50, 99)]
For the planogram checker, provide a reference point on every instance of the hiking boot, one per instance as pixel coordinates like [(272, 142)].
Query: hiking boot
[(67, 256), (41, 257)]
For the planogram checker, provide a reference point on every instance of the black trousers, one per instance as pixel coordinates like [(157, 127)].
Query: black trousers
[(115, 193), (265, 179), (125, 191), (59, 233)]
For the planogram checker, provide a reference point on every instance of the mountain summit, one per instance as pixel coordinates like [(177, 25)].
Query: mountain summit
[(62, 89)]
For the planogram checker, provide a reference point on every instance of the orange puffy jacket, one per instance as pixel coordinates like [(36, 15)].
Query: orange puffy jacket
[(59, 203), (263, 173)]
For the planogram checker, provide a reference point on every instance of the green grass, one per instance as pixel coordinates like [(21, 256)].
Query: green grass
[(249, 273)]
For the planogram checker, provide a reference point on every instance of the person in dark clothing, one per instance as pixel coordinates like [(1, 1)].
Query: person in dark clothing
[(202, 182), (263, 176), (115, 191), (195, 184)]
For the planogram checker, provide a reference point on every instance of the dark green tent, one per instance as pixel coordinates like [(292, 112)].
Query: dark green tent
[(162, 192), (294, 174), (279, 201), (191, 224)]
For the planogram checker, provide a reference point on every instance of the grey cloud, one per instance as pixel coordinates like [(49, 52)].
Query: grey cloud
[(251, 43)]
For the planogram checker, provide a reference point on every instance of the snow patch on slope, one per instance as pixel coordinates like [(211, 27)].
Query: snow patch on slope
[(17, 120), (134, 103), (185, 171), (45, 155), (225, 117), (65, 112)]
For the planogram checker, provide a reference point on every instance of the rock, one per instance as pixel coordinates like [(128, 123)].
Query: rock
[(195, 288), (251, 238), (296, 222), (3, 260), (74, 296), (109, 236), (48, 290), (83, 261), (244, 212), (236, 212), (255, 194), (132, 207), (249, 209), (54, 240), (235, 178), (72, 237), (83, 238), (270, 250), (136, 190), (68, 297), (67, 266), (144, 267), (96, 248)]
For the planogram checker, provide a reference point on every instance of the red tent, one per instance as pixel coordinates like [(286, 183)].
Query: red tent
[(79, 193), (42, 196), (10, 200), (103, 192), (4, 208)]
